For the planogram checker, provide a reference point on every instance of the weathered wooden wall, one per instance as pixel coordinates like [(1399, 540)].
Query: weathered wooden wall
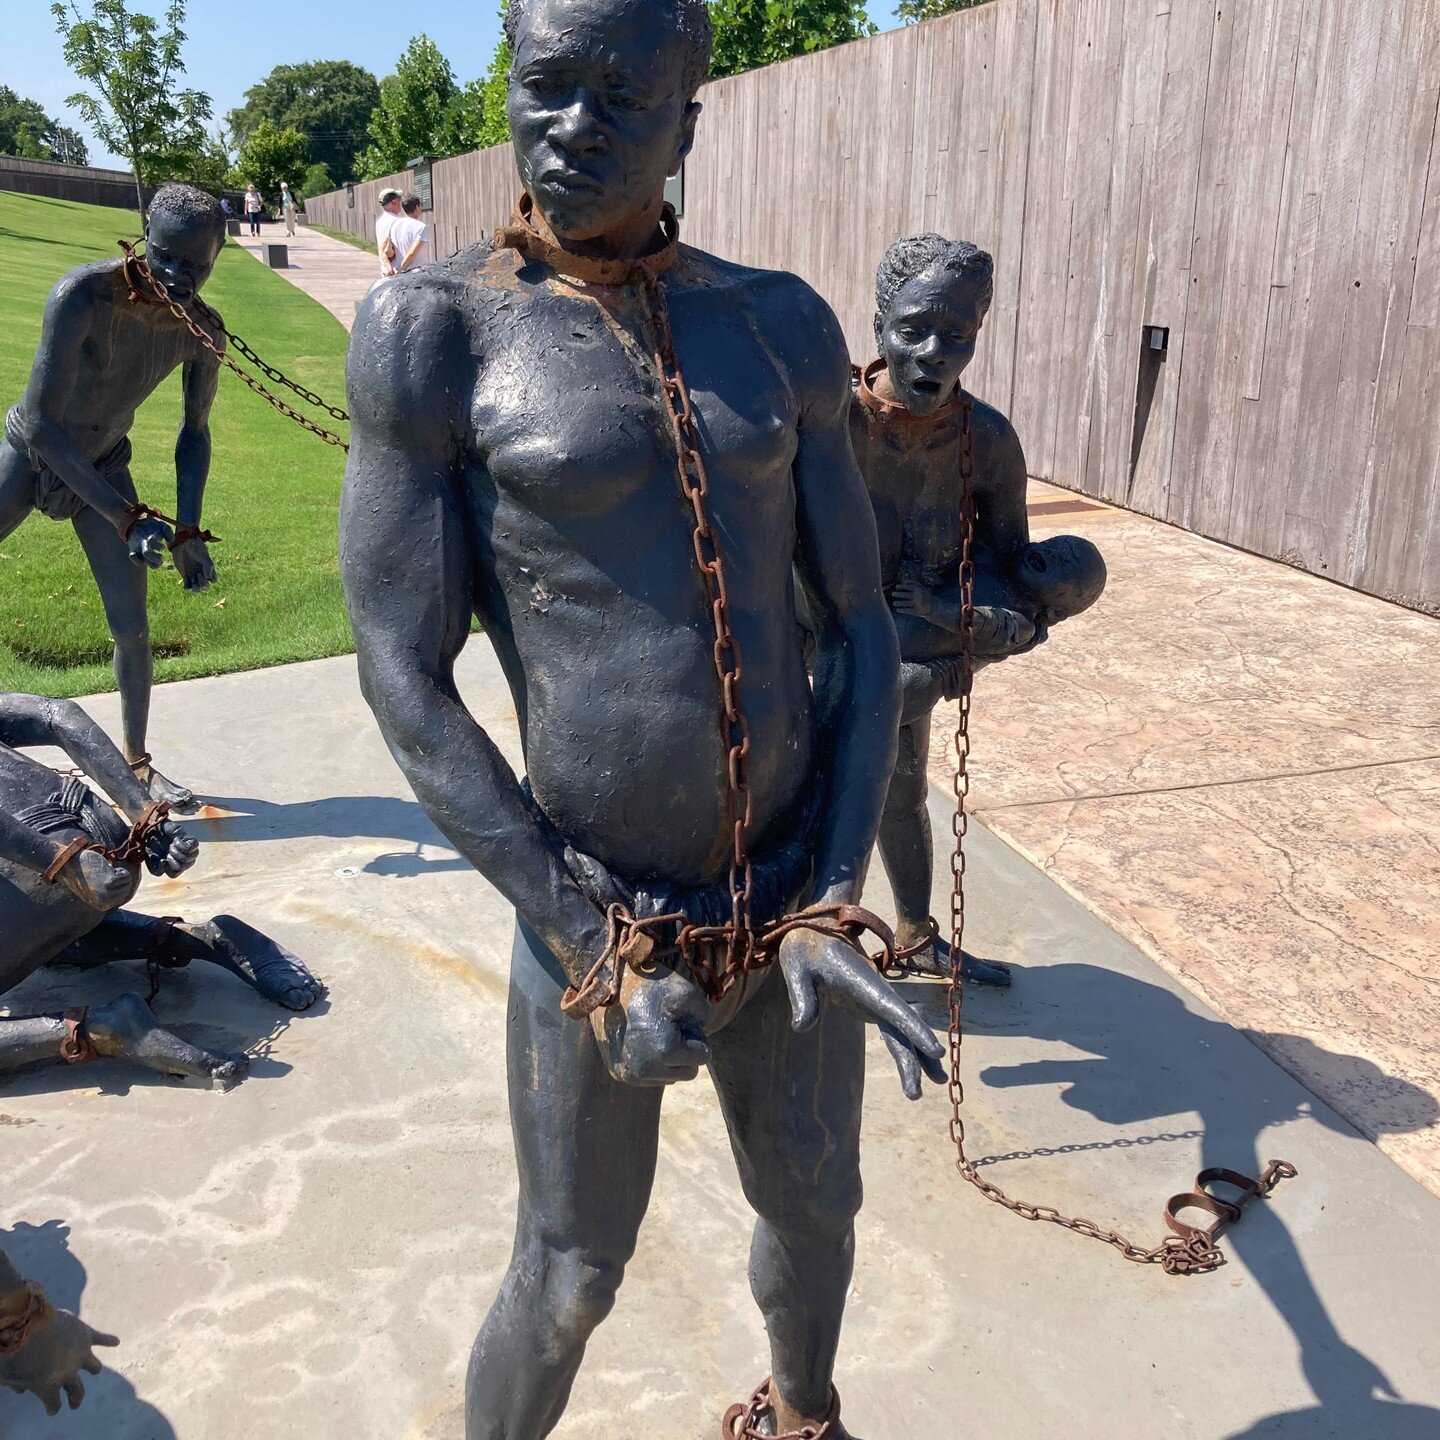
[(84, 184), (1259, 176)]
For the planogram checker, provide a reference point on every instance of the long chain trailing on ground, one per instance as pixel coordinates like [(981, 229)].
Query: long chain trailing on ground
[(136, 270), (1188, 1249)]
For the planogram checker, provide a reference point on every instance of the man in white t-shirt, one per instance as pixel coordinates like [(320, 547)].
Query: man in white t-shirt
[(411, 236), (389, 214)]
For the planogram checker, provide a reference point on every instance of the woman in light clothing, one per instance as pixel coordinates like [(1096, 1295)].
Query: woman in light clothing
[(253, 206)]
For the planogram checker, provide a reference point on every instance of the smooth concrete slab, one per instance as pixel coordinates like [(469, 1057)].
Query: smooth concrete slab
[(308, 1257), (1237, 766)]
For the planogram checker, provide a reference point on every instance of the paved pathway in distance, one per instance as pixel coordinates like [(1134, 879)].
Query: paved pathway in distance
[(330, 271)]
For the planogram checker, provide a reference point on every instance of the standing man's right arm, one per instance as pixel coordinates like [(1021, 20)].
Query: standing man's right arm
[(407, 563), (54, 375)]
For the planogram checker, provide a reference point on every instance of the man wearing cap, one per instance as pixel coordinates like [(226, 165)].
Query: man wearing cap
[(389, 213)]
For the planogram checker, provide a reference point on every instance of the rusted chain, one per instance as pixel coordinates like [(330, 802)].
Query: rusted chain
[(140, 279), (1188, 1249), (742, 1422), (130, 851), (76, 1046), (15, 1331)]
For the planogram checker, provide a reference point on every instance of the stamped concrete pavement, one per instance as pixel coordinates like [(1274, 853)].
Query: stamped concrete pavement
[(308, 1257)]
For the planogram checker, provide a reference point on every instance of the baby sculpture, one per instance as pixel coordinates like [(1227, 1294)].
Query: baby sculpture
[(912, 426), (69, 862)]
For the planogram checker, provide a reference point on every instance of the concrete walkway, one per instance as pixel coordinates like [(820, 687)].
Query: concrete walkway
[(1238, 767), (328, 270), (309, 1256)]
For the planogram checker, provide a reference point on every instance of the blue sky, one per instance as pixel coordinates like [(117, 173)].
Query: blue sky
[(234, 43)]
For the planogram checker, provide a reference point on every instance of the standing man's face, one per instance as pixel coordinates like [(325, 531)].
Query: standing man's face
[(597, 110)]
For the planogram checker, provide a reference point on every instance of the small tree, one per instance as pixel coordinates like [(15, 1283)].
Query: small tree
[(315, 181), (413, 116), (269, 156), (134, 64), (913, 11), (751, 33), (494, 86)]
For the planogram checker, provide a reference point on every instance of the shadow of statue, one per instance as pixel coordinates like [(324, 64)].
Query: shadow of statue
[(338, 817), (111, 1407), (1148, 1049)]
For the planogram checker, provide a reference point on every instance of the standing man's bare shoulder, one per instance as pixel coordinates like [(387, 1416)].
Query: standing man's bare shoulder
[(419, 339), (801, 328)]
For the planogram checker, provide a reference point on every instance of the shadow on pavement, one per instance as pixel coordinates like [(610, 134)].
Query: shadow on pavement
[(111, 1406), (1148, 1050), (337, 817)]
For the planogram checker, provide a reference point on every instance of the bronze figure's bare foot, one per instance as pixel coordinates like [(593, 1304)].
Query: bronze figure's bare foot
[(267, 967), (177, 797), (127, 1029)]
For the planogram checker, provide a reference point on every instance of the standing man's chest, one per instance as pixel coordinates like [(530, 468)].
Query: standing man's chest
[(571, 420)]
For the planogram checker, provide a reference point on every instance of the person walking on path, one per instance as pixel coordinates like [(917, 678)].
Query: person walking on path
[(411, 236), (384, 222), (287, 207), (253, 206)]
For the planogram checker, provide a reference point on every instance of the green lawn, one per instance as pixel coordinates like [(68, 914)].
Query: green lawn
[(357, 241), (272, 494)]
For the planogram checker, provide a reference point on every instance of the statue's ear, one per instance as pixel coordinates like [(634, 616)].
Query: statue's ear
[(687, 133)]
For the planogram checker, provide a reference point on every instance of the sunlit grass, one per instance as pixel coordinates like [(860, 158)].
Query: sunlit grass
[(272, 495)]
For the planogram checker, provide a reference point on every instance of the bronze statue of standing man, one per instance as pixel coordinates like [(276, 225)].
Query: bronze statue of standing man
[(106, 343), (615, 450)]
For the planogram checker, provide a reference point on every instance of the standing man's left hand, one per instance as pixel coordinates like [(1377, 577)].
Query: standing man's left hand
[(819, 967), (192, 560)]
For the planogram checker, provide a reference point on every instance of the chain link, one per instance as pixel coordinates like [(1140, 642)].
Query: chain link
[(1190, 1250), (137, 269), (738, 937)]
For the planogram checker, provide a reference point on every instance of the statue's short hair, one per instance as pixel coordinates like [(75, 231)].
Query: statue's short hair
[(692, 20), (185, 203), (916, 254)]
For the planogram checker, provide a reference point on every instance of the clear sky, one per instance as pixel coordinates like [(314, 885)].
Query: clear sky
[(234, 43)]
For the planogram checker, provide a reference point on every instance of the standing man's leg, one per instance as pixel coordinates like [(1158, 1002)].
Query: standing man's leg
[(792, 1106), (122, 585), (585, 1146), (17, 488)]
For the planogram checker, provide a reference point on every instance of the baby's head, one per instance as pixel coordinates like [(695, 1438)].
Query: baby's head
[(1063, 575)]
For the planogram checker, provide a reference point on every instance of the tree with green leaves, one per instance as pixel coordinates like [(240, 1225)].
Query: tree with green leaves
[(134, 65), (751, 33), (26, 130), (414, 116), (329, 101), (269, 156), (494, 85), (913, 11), (315, 181)]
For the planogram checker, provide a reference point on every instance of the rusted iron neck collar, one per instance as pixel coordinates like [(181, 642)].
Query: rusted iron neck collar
[(521, 235), (884, 409)]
